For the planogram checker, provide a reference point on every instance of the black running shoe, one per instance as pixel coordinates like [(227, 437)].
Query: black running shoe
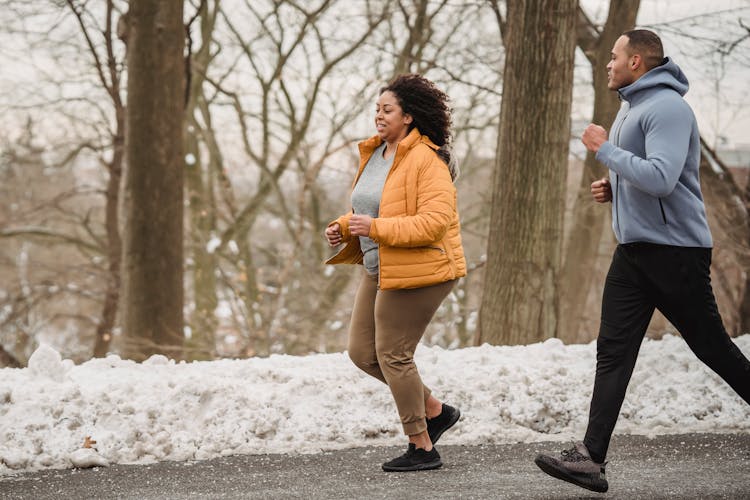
[(575, 466), (414, 459), (436, 426)]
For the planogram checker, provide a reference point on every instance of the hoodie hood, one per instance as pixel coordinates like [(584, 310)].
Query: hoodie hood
[(667, 75)]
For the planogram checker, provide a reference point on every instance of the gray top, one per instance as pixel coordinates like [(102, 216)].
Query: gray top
[(366, 201)]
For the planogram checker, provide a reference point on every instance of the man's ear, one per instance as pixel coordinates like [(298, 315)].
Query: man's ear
[(635, 62)]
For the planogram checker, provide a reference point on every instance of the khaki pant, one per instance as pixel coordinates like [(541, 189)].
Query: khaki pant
[(385, 329)]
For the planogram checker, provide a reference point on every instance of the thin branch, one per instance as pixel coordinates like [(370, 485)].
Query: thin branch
[(51, 234), (587, 35), (97, 62)]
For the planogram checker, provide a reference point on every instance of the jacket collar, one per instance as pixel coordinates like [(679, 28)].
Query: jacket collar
[(666, 75), (413, 138)]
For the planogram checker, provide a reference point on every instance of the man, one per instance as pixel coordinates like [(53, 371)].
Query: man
[(664, 252)]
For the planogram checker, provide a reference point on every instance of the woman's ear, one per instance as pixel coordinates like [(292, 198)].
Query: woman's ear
[(408, 119)]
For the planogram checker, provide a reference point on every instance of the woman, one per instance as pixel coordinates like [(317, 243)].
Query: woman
[(404, 228)]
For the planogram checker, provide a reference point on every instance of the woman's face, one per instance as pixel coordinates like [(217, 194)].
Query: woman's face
[(390, 121)]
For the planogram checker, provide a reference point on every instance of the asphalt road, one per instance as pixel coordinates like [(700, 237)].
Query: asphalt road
[(689, 466)]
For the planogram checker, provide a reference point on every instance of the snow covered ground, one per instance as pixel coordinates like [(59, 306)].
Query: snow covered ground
[(162, 410)]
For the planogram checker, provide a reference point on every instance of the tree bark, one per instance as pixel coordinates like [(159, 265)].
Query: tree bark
[(520, 300), (588, 218), (153, 254)]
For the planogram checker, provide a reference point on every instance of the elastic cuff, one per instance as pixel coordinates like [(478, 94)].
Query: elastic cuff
[(416, 427), (605, 150)]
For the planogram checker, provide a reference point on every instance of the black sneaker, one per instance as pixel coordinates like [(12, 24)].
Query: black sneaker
[(414, 459), (575, 466), (436, 426)]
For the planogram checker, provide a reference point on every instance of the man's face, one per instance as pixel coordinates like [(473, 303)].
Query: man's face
[(619, 70)]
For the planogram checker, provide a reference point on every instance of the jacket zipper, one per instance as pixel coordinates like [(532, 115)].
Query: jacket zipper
[(617, 176), (663, 214), (390, 171), (435, 247)]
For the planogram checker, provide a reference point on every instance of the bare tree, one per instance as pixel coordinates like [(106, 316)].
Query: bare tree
[(153, 255), (109, 70), (202, 172), (417, 24), (79, 213), (524, 249)]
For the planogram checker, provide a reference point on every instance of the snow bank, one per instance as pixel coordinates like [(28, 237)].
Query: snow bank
[(162, 410)]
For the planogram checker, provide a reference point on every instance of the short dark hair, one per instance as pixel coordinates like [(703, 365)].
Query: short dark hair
[(648, 45)]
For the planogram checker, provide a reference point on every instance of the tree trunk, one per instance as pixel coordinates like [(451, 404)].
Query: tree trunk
[(588, 217), (202, 207), (153, 253), (114, 243), (519, 303), (258, 341), (202, 342)]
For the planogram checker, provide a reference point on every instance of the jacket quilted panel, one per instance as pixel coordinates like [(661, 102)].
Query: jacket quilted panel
[(418, 229)]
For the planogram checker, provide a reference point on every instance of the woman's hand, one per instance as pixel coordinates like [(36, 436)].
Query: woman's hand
[(333, 234), (359, 225)]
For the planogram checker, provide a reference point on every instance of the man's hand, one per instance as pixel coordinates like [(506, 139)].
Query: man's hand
[(601, 190), (359, 225), (593, 137), (333, 234)]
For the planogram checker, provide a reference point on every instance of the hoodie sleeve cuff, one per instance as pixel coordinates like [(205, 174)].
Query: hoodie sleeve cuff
[(605, 151)]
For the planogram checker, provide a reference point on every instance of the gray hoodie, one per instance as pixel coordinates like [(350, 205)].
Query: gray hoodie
[(653, 154)]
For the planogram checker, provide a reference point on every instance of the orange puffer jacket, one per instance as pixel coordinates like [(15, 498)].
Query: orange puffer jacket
[(417, 229)]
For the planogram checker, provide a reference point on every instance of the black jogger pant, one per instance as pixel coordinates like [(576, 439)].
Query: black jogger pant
[(677, 282)]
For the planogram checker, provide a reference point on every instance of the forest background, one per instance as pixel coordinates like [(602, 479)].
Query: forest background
[(250, 116)]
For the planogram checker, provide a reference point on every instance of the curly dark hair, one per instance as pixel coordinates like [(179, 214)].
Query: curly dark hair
[(429, 109)]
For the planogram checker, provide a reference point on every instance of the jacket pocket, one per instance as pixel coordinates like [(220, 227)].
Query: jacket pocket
[(436, 247), (663, 214)]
